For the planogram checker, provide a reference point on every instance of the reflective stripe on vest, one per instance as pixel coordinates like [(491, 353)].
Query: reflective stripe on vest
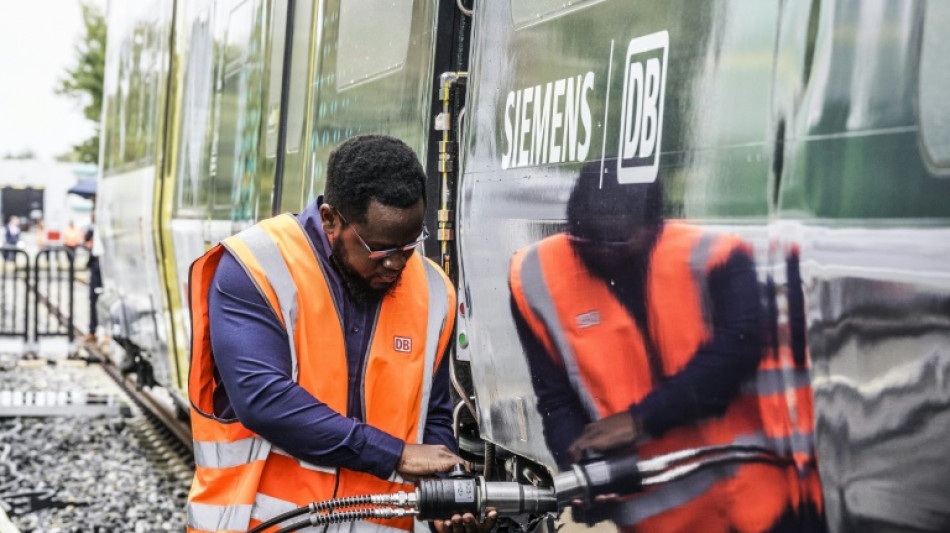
[(541, 303), (202, 517), (438, 307), (268, 255), (205, 517), (229, 454)]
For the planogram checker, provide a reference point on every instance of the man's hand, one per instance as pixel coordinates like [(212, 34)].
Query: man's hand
[(467, 523), (420, 460), (616, 431)]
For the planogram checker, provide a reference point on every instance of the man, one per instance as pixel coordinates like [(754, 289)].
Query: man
[(93, 246), (11, 237), (318, 357), (645, 337)]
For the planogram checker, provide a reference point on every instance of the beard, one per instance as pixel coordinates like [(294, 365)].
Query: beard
[(358, 288)]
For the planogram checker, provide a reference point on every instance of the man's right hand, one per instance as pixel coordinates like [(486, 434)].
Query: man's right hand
[(420, 460)]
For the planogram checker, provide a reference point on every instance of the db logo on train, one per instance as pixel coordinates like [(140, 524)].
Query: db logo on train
[(402, 344), (641, 111)]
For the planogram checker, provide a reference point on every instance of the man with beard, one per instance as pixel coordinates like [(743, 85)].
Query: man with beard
[(645, 336), (318, 366)]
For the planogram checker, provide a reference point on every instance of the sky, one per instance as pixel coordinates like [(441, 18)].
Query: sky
[(37, 44)]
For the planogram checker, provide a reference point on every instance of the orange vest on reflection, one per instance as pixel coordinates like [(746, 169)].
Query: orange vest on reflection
[(240, 479), (593, 337)]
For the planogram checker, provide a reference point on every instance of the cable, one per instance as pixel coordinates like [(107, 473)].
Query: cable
[(397, 498), (320, 519), (281, 517), (453, 378), (467, 12)]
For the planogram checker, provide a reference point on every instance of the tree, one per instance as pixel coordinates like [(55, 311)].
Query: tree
[(83, 81), (21, 155)]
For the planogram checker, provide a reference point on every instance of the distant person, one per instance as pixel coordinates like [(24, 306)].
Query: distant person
[(11, 237), (40, 234), (72, 237), (92, 244)]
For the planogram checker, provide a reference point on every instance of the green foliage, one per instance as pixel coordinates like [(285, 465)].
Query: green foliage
[(83, 81), (21, 155)]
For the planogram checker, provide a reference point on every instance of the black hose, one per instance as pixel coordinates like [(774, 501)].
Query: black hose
[(489, 460), (280, 518), (313, 507), (317, 519)]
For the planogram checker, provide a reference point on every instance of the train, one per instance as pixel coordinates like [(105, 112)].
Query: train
[(813, 126)]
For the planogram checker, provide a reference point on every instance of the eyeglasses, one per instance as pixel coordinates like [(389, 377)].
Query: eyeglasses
[(609, 245), (378, 255)]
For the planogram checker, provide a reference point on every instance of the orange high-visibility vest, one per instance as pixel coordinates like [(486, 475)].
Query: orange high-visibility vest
[(240, 479), (589, 333), (72, 236)]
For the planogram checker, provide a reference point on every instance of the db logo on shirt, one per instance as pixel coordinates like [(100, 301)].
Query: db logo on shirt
[(402, 344)]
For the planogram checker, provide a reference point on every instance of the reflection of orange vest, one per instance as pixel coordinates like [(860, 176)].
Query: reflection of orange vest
[(240, 479), (593, 337)]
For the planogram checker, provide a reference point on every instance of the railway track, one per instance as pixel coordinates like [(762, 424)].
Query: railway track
[(83, 449), (157, 406)]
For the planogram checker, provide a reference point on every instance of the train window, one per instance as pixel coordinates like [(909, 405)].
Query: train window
[(528, 12), (373, 41), (299, 73), (192, 187), (278, 26), (235, 146), (934, 107)]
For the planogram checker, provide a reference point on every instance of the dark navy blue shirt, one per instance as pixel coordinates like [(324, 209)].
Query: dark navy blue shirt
[(253, 370), (704, 387)]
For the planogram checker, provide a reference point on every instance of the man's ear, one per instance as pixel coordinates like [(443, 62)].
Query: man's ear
[(328, 219)]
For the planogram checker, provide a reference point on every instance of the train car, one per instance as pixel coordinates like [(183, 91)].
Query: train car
[(815, 130), (219, 113)]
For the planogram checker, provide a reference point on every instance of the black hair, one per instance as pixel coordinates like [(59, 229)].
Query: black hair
[(598, 195), (373, 167)]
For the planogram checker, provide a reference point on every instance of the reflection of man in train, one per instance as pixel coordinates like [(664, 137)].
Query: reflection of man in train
[(640, 335), (318, 365)]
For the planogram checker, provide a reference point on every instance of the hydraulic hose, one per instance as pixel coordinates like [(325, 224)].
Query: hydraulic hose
[(400, 498), (460, 492), (322, 519)]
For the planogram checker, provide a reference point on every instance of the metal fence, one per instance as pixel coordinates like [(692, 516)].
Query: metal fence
[(37, 294), (54, 276), (15, 293)]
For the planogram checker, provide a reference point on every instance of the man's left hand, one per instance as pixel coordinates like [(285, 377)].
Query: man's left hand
[(467, 523), (616, 431)]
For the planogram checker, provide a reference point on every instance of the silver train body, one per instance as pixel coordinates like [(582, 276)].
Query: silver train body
[(815, 128)]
